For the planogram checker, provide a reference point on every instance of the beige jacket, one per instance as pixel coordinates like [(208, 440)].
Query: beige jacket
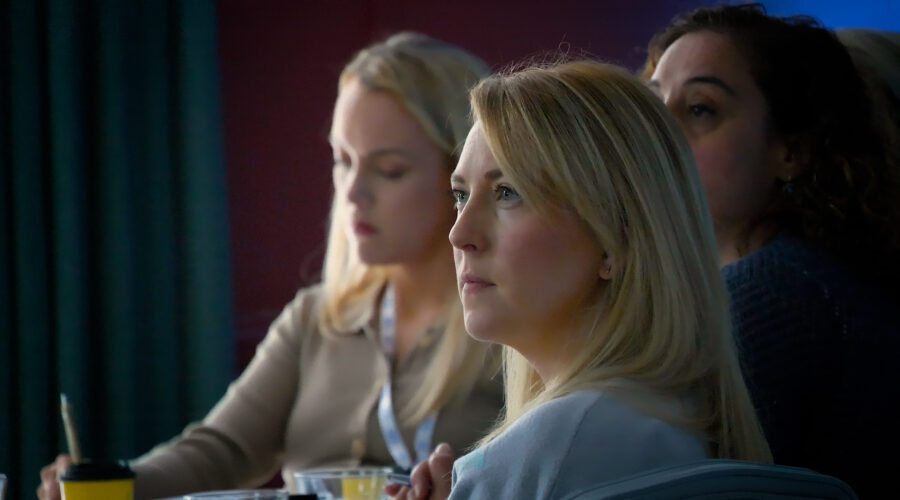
[(306, 401)]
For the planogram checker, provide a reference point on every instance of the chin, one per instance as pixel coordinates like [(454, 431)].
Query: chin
[(480, 330), (373, 256)]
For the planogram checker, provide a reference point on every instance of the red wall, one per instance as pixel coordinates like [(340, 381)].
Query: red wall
[(279, 62)]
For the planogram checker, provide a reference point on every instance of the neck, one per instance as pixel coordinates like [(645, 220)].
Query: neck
[(546, 368), (728, 252), (549, 356), (739, 242)]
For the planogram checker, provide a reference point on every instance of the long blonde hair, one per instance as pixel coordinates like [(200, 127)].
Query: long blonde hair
[(592, 139), (431, 80)]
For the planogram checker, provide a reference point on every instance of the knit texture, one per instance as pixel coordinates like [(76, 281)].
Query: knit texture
[(819, 348)]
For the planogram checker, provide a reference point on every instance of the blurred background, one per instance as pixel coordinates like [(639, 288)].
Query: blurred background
[(165, 183)]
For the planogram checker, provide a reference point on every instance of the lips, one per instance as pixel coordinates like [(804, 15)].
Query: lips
[(472, 283), (362, 229)]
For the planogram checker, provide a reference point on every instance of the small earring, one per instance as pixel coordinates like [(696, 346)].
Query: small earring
[(788, 187)]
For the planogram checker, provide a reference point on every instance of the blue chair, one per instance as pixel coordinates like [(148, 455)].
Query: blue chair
[(723, 479)]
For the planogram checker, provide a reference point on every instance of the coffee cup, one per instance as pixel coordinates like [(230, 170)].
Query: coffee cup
[(92, 480)]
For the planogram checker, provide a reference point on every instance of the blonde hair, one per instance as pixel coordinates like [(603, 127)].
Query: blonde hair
[(431, 80), (592, 139)]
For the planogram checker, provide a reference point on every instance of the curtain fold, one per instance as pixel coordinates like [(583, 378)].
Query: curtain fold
[(114, 268)]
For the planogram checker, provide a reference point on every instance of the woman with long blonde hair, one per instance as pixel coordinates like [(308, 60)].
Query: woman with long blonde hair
[(583, 245), (372, 365)]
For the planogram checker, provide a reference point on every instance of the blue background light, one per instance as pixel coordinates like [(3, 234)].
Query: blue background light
[(881, 14)]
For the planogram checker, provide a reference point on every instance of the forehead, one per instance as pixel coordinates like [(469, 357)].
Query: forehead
[(366, 119), (701, 53), (476, 157)]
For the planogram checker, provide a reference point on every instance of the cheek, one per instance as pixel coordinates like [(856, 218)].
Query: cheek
[(713, 166), (715, 157), (521, 249), (734, 171), (537, 261)]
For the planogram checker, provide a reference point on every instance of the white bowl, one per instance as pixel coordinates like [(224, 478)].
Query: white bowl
[(239, 495)]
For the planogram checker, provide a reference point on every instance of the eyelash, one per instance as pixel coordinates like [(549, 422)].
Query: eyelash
[(460, 197), (702, 109), (499, 191), (457, 196), (392, 174)]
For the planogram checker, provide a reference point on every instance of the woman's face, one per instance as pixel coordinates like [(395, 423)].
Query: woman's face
[(391, 178), (706, 83), (522, 277)]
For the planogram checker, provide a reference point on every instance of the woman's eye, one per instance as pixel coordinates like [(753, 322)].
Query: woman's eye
[(506, 193), (700, 110), (459, 197), (392, 174)]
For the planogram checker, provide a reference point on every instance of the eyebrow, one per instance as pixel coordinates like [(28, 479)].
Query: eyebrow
[(390, 151), (709, 80), (712, 80), (491, 175), (386, 152)]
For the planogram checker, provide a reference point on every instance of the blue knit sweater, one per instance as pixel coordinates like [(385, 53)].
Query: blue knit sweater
[(820, 351)]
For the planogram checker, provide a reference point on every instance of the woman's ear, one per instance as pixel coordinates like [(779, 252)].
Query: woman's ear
[(791, 158), (606, 267)]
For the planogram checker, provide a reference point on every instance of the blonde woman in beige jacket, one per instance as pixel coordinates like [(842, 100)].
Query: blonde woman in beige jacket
[(385, 324)]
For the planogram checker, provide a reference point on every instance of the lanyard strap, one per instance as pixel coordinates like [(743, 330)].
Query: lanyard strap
[(386, 419)]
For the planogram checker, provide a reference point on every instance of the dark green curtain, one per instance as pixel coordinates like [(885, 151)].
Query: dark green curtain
[(114, 269)]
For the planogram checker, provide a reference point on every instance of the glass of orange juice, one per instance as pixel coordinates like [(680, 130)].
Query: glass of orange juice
[(361, 483)]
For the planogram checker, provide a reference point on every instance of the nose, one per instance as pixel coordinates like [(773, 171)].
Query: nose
[(675, 107), (469, 232), (660, 92), (356, 186)]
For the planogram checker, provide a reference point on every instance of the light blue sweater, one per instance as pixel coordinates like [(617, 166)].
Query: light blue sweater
[(570, 444)]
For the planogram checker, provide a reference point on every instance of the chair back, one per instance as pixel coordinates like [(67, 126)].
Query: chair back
[(722, 479)]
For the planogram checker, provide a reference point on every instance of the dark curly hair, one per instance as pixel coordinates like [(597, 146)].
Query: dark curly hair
[(846, 195)]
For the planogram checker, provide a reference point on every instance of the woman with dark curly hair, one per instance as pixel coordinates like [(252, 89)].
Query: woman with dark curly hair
[(805, 200)]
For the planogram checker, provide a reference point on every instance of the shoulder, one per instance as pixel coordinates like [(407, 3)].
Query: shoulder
[(305, 305), (593, 421), (786, 262), (300, 315), (565, 444), (567, 411), (785, 285), (793, 285), (614, 439), (309, 297), (793, 264)]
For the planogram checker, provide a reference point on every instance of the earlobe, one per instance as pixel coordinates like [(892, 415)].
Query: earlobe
[(790, 159), (606, 267)]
